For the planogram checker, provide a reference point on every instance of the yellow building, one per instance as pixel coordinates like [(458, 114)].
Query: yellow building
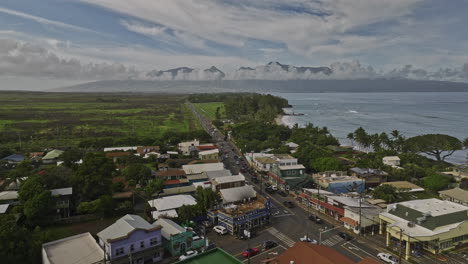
[(429, 224)]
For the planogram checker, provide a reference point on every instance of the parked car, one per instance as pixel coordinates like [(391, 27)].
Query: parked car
[(274, 187), (308, 239), (195, 238), (221, 230), (345, 236), (269, 244), (387, 258), (315, 219), (250, 252), (288, 204), (269, 190), (188, 254)]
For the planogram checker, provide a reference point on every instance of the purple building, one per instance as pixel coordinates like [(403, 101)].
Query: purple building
[(131, 239)]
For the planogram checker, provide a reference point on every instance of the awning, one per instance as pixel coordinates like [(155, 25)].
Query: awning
[(349, 221)]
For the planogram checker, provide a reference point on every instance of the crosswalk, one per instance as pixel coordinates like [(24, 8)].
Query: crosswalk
[(282, 237), (332, 241)]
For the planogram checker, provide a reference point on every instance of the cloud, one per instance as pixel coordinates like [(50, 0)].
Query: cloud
[(43, 21)]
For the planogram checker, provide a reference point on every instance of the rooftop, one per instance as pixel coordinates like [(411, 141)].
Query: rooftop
[(391, 158), (207, 152), (367, 171), (62, 191), (335, 178), (178, 190), (14, 157), (218, 173), (216, 255), (348, 201), (236, 194), (118, 154), (65, 250), (169, 173), (172, 202), (120, 148), (53, 154), (123, 227), (3, 208), (242, 208), (8, 195), (405, 185), (434, 207), (456, 193), (169, 228), (199, 168), (292, 167), (265, 160), (283, 156), (227, 179)]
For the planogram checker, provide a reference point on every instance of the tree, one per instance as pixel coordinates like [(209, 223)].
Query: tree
[(35, 199), (58, 177), (70, 156), (137, 172), (436, 182), (386, 192), (434, 145), (118, 187), (94, 176), (14, 240), (154, 186), (187, 213), (206, 198), (326, 164)]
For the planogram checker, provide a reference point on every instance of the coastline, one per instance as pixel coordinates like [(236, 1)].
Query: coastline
[(279, 120)]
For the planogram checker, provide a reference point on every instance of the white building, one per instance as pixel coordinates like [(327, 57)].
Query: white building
[(200, 168), (166, 206), (368, 216), (393, 161), (227, 182), (184, 147), (79, 249)]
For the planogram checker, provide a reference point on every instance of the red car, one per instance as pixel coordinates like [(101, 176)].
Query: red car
[(250, 252)]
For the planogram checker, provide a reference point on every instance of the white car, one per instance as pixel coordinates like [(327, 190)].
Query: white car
[(221, 230), (387, 258), (308, 239), (188, 254)]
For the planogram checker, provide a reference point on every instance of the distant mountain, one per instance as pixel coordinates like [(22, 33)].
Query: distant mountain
[(267, 86), (216, 71), (289, 68)]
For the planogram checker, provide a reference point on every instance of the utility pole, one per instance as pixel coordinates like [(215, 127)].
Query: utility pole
[(307, 219)]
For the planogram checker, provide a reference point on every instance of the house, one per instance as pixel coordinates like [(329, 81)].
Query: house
[(167, 206), (335, 205), (131, 237), (367, 215), (143, 150), (187, 190), (216, 255), (339, 183), (62, 198), (264, 163), (204, 147), (199, 168), (14, 158), (4, 208), (428, 224), (79, 249), (372, 177), (36, 155), (115, 155), (218, 173), (393, 161), (405, 186), (459, 172), (306, 253), (173, 178), (120, 149), (163, 167), (9, 197), (52, 156), (212, 154), (284, 159), (184, 147), (242, 208), (227, 182), (178, 240), (292, 146), (456, 195)]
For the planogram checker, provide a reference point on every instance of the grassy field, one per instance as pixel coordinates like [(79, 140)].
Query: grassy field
[(209, 109), (65, 119)]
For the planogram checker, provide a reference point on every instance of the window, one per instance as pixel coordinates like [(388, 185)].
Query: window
[(154, 241), (119, 251), (156, 255), (132, 247), (142, 244)]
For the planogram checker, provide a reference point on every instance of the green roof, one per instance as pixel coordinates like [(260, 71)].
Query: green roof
[(430, 222), (53, 154), (216, 255)]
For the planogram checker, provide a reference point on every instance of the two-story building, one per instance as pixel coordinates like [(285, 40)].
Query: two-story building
[(393, 161), (338, 182), (131, 239), (62, 198), (288, 176), (226, 182), (187, 146), (371, 177), (212, 154), (173, 178), (178, 240), (166, 207)]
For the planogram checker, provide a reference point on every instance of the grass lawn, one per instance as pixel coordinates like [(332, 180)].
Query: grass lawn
[(64, 119), (209, 109)]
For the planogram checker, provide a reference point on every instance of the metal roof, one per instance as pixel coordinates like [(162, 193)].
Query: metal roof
[(9, 195), (199, 168), (219, 173), (456, 193), (228, 179), (236, 194), (52, 154), (62, 191), (169, 228), (124, 226), (3, 208), (79, 249), (172, 202), (14, 157)]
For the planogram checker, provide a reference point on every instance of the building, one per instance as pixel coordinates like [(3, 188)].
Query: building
[(167, 206), (459, 172), (173, 178), (212, 154), (120, 149), (292, 146), (393, 161), (131, 238), (52, 156), (339, 183), (216, 174), (79, 249), (212, 256), (178, 240), (286, 176), (143, 150), (242, 209), (9, 197), (456, 195), (14, 158), (368, 216), (405, 186), (227, 182), (264, 163), (428, 224), (199, 168), (184, 147), (306, 253), (62, 198), (4, 208), (372, 177)]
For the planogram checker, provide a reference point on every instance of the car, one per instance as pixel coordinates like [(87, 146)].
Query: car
[(221, 230), (269, 190), (308, 239), (387, 258), (250, 252), (274, 187), (315, 219), (195, 238), (345, 236), (269, 244), (288, 204), (207, 223), (188, 254)]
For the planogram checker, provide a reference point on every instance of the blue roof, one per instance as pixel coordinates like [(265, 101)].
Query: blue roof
[(14, 157)]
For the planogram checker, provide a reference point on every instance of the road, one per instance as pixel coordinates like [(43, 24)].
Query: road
[(290, 224)]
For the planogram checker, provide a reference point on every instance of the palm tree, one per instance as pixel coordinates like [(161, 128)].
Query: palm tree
[(350, 136)]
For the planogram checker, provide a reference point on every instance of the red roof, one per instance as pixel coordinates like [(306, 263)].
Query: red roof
[(169, 173), (275, 177), (171, 182), (349, 221), (206, 147), (117, 154), (42, 172)]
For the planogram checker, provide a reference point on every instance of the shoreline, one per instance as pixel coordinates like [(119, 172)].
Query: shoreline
[(279, 120)]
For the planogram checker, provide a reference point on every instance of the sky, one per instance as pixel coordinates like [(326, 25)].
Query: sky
[(58, 42)]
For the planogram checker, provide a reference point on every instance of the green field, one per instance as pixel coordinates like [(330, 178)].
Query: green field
[(65, 119), (209, 109)]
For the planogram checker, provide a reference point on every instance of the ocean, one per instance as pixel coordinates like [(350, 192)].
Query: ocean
[(410, 113)]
